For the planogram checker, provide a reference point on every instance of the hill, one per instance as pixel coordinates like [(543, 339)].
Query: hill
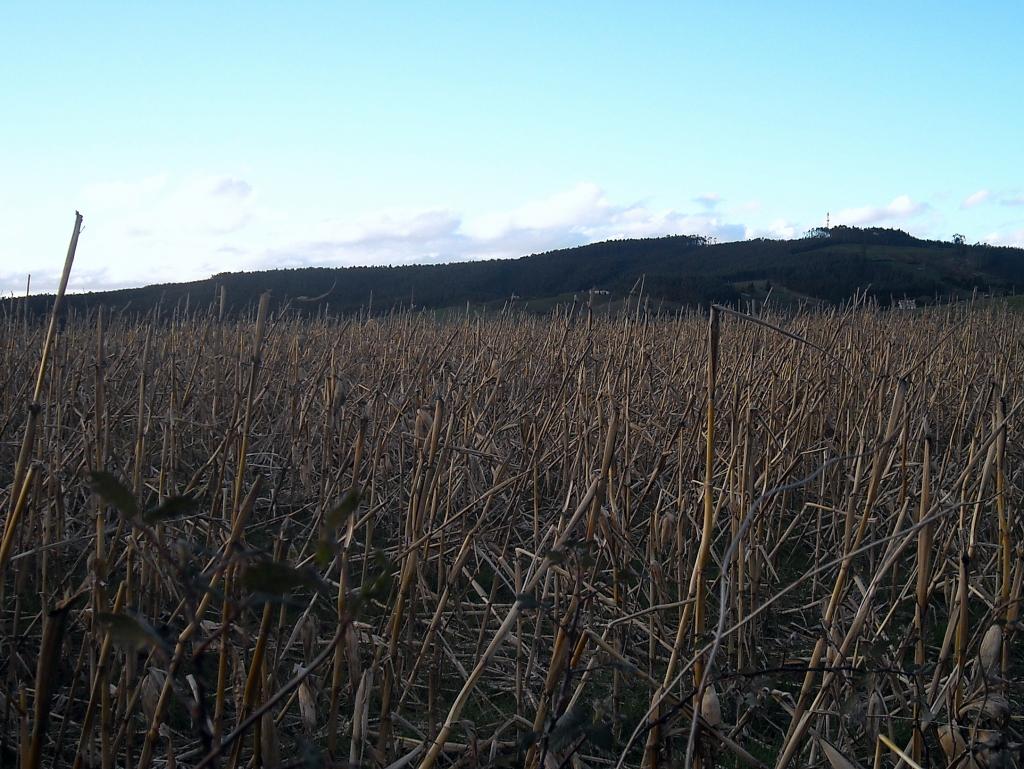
[(826, 266)]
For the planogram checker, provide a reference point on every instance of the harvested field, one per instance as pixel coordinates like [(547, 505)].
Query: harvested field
[(398, 542)]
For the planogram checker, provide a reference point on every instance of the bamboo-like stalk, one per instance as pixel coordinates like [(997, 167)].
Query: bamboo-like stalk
[(924, 549), (344, 588), (54, 626), (34, 406), (11, 528), (254, 679), (700, 679), (1005, 528), (250, 394)]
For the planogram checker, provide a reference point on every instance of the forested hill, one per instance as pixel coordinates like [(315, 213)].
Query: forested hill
[(828, 265)]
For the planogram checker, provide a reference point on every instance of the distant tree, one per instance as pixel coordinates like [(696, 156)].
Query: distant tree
[(960, 242)]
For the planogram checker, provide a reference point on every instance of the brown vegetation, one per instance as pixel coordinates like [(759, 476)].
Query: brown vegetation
[(397, 542)]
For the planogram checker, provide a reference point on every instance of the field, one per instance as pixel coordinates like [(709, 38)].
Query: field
[(512, 540)]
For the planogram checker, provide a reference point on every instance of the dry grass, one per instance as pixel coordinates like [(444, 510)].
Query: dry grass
[(397, 542)]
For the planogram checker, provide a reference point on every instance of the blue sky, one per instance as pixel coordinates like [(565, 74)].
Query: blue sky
[(202, 137)]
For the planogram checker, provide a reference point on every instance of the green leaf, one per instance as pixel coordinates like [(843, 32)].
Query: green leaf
[(377, 588), (275, 579), (600, 736), (527, 739), (175, 507), (324, 553), (341, 511), (130, 631), (111, 491), (569, 727)]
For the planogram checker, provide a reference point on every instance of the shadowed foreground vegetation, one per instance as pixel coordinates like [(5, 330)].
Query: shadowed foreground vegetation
[(512, 540)]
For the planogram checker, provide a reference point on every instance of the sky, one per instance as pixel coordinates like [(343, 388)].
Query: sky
[(198, 138)]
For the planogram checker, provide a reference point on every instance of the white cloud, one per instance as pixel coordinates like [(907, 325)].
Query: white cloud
[(159, 229), (1013, 200), (578, 215), (1013, 237), (165, 228), (582, 205), (391, 226), (778, 229), (901, 208), (976, 199), (235, 188)]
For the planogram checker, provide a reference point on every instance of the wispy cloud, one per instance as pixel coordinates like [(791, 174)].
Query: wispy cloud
[(778, 229), (1002, 197), (163, 228), (574, 216), (708, 200), (1007, 237), (976, 199), (899, 209), (235, 188)]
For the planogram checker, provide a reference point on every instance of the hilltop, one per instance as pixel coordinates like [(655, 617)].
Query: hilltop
[(826, 266)]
